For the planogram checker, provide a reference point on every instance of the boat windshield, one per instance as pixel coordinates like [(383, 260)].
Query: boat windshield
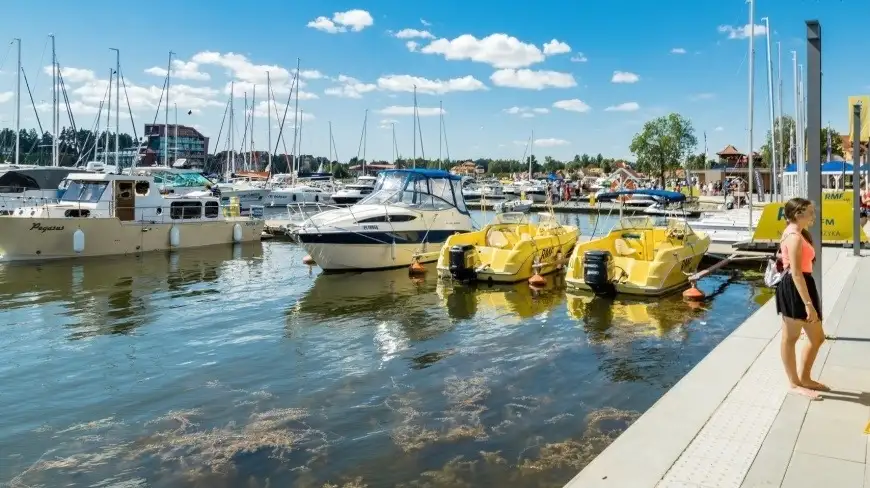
[(84, 191), (180, 179), (417, 191), (649, 222)]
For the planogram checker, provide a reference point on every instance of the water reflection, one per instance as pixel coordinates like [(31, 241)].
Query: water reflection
[(508, 304), (112, 295)]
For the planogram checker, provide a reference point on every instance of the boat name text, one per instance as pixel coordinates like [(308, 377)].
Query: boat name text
[(45, 228)]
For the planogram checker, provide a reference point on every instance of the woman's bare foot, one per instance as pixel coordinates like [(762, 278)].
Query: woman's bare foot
[(803, 391), (814, 385)]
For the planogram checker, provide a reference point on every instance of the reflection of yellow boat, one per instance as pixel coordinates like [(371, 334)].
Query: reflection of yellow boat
[(507, 250), (640, 256), (507, 303), (602, 317)]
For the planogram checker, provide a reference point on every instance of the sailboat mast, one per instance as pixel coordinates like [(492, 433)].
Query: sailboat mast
[(365, 138), (781, 148), (55, 159), (166, 112), (296, 121), (393, 126), (175, 136), (117, 108), (800, 179), (531, 154), (301, 119), (440, 129), (108, 121), (18, 106), (269, 120), (750, 155), (414, 128), (232, 130), (253, 109), (771, 109)]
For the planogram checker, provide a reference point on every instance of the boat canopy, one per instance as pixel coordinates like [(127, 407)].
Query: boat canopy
[(830, 168), (425, 189), (34, 179), (669, 196)]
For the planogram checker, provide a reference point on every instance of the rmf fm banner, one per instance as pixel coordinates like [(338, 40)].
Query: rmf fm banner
[(864, 101)]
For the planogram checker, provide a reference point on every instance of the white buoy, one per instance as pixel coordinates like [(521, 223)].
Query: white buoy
[(237, 233), (174, 236), (78, 241)]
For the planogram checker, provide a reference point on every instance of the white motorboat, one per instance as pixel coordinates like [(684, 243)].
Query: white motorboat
[(491, 190), (520, 206), (665, 209), (298, 195), (355, 192), (407, 217), (107, 214), (728, 227), (191, 183)]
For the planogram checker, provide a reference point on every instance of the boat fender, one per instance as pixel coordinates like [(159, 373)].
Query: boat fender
[(174, 236), (78, 241), (237, 233)]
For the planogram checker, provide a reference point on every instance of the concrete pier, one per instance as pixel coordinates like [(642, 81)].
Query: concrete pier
[(730, 422)]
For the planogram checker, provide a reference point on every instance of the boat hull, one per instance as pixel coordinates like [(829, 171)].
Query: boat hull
[(366, 257), (26, 239)]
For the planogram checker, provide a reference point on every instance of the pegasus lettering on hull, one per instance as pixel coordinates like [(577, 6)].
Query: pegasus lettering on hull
[(45, 228)]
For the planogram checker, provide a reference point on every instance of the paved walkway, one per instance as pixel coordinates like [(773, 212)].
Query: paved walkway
[(730, 422)]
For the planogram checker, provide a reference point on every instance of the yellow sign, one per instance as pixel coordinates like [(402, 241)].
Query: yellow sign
[(864, 101), (836, 218), (839, 196)]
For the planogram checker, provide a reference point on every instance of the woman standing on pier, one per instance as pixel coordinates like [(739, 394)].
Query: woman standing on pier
[(797, 298)]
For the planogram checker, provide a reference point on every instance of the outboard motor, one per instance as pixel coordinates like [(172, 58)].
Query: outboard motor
[(462, 263), (598, 272)]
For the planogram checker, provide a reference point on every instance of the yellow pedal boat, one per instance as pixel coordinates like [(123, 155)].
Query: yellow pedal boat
[(508, 250), (648, 256)]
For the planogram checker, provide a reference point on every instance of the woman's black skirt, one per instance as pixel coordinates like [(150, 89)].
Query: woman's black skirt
[(789, 302)]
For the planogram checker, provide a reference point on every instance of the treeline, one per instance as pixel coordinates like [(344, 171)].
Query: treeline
[(74, 145)]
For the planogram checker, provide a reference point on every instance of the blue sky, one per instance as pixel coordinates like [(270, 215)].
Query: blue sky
[(683, 56)]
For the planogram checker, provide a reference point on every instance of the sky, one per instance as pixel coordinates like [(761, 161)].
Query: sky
[(581, 76)]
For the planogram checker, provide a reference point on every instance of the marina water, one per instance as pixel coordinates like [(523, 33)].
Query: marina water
[(241, 367)]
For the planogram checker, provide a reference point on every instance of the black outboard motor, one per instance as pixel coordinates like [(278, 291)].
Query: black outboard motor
[(462, 263), (598, 272)]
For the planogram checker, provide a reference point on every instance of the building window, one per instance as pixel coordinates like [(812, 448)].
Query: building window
[(185, 210)]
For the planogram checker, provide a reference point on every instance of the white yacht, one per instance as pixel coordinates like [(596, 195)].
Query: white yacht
[(409, 212), (492, 190), (108, 214), (728, 227), (191, 183), (355, 192)]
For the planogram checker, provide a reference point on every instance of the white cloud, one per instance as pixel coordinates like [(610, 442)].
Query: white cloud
[(497, 50), (556, 47), (387, 123), (421, 111), (624, 77), (573, 105), (412, 46), (526, 112), (719, 129), (261, 111), (623, 107), (309, 74), (744, 31), (242, 69), (355, 20), (350, 88), (182, 70), (579, 58), (532, 80), (405, 83), (413, 34), (678, 50), (240, 88), (551, 142), (6, 96), (425, 24), (73, 75)]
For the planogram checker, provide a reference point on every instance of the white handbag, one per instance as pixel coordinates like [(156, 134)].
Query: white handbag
[(774, 272)]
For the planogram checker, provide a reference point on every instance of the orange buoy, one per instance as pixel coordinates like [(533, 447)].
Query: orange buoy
[(693, 293), (537, 280), (416, 268), (308, 260)]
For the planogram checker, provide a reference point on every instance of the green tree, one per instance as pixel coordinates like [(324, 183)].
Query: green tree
[(663, 144), (697, 162), (785, 146)]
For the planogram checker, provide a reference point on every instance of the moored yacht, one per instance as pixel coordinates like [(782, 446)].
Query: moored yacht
[(106, 214), (408, 216), (355, 192), (25, 187)]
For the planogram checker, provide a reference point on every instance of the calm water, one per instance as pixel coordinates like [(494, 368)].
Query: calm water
[(241, 367)]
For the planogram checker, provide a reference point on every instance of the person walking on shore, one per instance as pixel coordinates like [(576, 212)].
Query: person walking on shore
[(797, 298)]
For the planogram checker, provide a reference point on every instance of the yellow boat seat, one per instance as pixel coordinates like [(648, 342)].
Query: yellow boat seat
[(497, 238), (623, 249)]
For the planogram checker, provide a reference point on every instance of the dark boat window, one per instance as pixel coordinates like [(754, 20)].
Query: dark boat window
[(212, 209), (142, 188), (185, 210), (76, 212)]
